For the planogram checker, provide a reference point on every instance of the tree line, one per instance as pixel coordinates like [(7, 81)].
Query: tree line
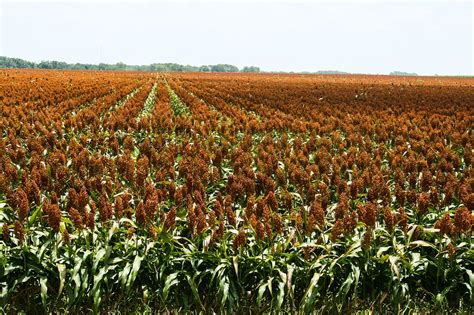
[(7, 62)]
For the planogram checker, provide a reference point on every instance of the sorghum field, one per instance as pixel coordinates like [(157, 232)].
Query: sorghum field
[(131, 192)]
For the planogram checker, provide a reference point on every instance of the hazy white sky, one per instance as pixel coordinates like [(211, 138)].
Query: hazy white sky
[(426, 37)]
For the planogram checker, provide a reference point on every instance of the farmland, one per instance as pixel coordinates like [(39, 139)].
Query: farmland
[(140, 191)]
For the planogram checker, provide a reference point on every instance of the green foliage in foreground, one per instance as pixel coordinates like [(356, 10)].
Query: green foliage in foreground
[(114, 268)]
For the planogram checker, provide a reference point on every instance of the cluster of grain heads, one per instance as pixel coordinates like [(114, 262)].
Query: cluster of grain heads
[(279, 193)]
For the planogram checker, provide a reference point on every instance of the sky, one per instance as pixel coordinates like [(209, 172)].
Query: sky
[(426, 37)]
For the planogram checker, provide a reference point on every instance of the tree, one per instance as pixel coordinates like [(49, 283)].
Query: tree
[(251, 69)]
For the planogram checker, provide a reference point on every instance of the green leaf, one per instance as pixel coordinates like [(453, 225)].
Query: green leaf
[(76, 275), (281, 292), (77, 281), (356, 271), (85, 280), (96, 291), (289, 278), (194, 289), (135, 268), (62, 277), (113, 229), (346, 286), (34, 214), (312, 284), (224, 288), (124, 274), (98, 257), (470, 285), (471, 276), (270, 286), (4, 292), (44, 289), (422, 243), (8, 269), (135, 153), (261, 291), (235, 262), (393, 265), (382, 250), (170, 281)]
